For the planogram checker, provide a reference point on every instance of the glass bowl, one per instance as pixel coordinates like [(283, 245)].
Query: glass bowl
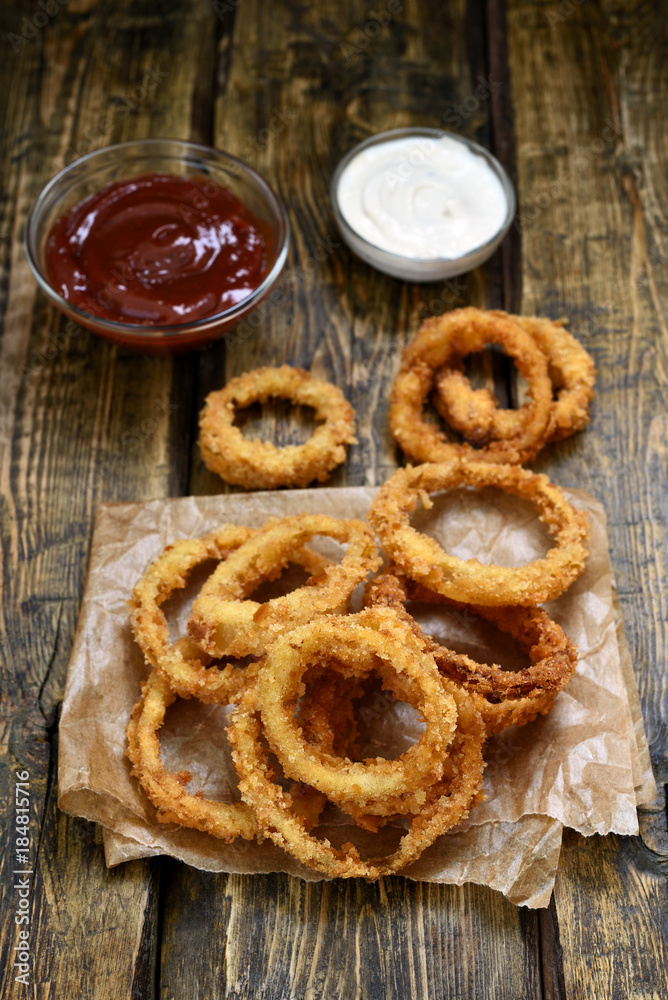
[(412, 268), (102, 167)]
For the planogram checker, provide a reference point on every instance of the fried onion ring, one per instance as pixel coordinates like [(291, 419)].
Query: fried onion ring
[(469, 411), (356, 642), (457, 793), (421, 558), (224, 622), (442, 340), (340, 696), (184, 664), (166, 791), (258, 465), (503, 697), (476, 414)]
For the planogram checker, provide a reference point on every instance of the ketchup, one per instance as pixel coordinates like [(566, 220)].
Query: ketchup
[(157, 250)]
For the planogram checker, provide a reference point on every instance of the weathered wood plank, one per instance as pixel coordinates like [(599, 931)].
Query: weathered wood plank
[(588, 87), (613, 919), (94, 929), (589, 212), (301, 88), (299, 95), (80, 422), (279, 937)]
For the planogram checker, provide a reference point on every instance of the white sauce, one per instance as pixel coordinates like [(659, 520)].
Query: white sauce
[(422, 198)]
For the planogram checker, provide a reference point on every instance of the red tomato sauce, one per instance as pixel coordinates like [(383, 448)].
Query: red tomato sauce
[(157, 250)]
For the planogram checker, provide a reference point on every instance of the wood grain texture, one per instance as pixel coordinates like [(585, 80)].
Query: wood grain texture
[(80, 421), (290, 87), (613, 919), (590, 212), (273, 936), (94, 929), (586, 84), (302, 88)]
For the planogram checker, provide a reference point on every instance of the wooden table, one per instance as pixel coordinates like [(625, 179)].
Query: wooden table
[(569, 95)]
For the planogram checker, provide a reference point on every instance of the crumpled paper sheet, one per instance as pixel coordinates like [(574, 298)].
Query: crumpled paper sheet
[(585, 765)]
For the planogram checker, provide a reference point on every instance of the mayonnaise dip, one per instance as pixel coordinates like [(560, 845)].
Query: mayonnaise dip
[(422, 197)]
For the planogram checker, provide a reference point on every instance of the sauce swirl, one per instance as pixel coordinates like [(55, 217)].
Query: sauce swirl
[(422, 198), (157, 250)]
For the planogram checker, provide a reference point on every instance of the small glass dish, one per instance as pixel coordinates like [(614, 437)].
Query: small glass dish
[(412, 268), (125, 160)]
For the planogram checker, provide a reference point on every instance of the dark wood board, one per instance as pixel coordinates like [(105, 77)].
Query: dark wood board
[(82, 422), (290, 87), (281, 937), (299, 91), (592, 184)]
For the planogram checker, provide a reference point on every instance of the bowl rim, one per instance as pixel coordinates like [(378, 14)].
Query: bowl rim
[(436, 133), (136, 329)]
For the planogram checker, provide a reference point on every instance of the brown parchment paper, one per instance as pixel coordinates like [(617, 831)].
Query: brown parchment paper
[(585, 765)]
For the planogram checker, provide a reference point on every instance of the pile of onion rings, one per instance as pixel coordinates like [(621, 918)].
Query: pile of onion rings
[(551, 360), (297, 699), (186, 666), (296, 670), (258, 465), (182, 668), (298, 693), (444, 786)]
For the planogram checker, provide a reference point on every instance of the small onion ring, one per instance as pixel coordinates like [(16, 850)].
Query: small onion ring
[(503, 697), (184, 664), (475, 413), (166, 791), (421, 558), (223, 622), (258, 465), (356, 642), (438, 342)]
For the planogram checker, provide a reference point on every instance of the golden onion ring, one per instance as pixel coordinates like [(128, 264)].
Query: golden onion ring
[(476, 414), (503, 697), (359, 644), (224, 622), (167, 791), (421, 558), (258, 465), (442, 340)]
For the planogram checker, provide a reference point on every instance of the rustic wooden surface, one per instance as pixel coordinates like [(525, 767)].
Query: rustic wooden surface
[(575, 112)]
